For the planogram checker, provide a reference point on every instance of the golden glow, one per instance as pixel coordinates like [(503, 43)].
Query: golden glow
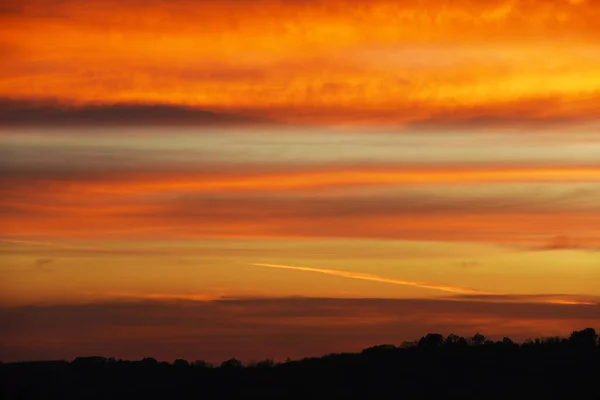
[(313, 60)]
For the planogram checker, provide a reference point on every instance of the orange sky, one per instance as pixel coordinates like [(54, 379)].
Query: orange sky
[(311, 60), (172, 154)]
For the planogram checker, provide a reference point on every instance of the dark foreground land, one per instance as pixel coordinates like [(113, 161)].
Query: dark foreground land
[(432, 368)]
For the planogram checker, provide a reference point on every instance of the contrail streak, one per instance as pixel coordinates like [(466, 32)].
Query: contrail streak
[(378, 278)]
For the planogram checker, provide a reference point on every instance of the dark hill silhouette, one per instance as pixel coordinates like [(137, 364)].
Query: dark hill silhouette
[(431, 368)]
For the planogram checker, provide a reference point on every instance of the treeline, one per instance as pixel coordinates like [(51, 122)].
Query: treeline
[(432, 367)]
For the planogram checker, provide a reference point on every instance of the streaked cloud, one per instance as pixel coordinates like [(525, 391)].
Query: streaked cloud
[(532, 298), (315, 177), (507, 213), (64, 246), (567, 243), (383, 63), (129, 296), (15, 113)]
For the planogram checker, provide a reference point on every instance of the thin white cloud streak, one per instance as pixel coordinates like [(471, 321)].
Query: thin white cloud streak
[(378, 278), (445, 288)]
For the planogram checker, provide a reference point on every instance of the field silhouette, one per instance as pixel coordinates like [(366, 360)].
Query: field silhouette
[(434, 367)]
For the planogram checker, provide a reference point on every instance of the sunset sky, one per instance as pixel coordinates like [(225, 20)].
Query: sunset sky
[(261, 178)]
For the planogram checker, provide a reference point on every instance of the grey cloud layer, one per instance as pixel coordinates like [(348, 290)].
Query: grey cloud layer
[(260, 328), (49, 114)]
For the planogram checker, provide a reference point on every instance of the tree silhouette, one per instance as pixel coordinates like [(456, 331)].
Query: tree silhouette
[(180, 363), (584, 338), (431, 340), (408, 344), (268, 363), (92, 360), (379, 349), (231, 363), (478, 339), (149, 361), (549, 368), (455, 340), (201, 364)]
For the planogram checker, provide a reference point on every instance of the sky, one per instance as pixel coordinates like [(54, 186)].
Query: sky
[(271, 179)]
